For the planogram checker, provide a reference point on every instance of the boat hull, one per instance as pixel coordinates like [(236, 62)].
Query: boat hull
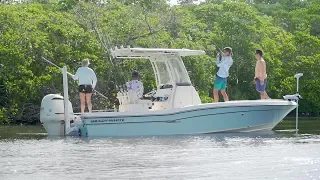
[(241, 116)]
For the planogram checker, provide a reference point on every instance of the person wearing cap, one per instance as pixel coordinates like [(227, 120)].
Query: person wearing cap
[(87, 82), (260, 78), (135, 86), (224, 65)]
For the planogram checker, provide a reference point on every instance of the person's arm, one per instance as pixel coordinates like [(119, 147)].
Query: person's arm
[(263, 71), (94, 79), (76, 76), (218, 60), (141, 89)]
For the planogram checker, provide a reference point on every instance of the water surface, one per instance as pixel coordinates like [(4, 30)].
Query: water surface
[(218, 156)]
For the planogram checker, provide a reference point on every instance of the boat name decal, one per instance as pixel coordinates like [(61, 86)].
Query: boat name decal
[(107, 120)]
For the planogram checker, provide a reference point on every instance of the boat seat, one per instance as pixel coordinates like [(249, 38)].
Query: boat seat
[(144, 101)]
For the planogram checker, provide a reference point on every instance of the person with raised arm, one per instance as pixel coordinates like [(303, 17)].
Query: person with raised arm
[(222, 75)]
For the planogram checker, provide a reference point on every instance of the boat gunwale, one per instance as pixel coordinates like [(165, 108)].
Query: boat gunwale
[(167, 121), (175, 111)]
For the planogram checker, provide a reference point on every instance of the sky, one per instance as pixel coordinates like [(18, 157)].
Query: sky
[(174, 2)]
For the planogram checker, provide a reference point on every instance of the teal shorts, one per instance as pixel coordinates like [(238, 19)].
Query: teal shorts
[(220, 83)]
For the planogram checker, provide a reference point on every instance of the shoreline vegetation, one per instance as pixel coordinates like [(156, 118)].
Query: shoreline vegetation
[(67, 31)]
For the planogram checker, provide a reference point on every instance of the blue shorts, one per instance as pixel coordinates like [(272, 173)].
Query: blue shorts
[(220, 83), (259, 87)]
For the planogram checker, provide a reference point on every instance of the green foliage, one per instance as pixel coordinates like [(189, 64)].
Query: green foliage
[(67, 31)]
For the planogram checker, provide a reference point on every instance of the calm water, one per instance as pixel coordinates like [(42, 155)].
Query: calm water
[(219, 156)]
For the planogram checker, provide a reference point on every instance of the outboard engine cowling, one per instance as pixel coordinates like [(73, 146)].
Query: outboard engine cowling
[(52, 114)]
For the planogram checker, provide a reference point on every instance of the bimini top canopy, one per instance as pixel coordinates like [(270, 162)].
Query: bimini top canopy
[(149, 52)]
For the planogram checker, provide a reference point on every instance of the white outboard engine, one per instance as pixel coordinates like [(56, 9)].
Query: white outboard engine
[(52, 114)]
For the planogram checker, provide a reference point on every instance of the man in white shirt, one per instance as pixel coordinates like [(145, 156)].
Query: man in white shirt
[(224, 65), (87, 82), (135, 87)]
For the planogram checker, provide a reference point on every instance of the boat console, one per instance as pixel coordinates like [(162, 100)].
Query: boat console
[(174, 88)]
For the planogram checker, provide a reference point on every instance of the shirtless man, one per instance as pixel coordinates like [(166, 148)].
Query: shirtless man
[(260, 78)]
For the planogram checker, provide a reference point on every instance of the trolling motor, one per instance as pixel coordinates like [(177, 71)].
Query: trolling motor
[(295, 97)]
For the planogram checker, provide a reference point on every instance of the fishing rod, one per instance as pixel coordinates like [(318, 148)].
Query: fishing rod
[(70, 75), (220, 51)]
